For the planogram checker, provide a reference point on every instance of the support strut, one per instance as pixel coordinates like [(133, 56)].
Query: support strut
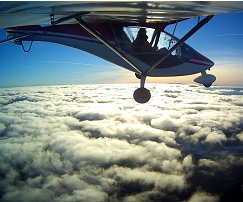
[(181, 41), (107, 43)]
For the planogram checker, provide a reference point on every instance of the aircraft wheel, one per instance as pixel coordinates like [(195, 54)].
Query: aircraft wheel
[(141, 95), (207, 85)]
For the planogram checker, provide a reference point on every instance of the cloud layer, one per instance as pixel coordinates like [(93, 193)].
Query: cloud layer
[(94, 143)]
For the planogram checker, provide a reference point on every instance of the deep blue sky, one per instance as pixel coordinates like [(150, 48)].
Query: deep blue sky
[(221, 40)]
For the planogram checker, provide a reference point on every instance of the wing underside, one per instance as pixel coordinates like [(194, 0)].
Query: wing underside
[(38, 13)]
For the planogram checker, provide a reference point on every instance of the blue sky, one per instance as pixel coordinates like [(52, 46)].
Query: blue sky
[(221, 40)]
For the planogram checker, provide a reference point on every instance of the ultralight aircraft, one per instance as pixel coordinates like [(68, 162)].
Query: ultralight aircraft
[(130, 34)]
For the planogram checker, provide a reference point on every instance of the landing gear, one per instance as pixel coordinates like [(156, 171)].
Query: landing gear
[(141, 95)]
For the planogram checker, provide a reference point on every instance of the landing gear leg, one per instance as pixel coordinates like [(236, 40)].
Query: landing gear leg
[(142, 95)]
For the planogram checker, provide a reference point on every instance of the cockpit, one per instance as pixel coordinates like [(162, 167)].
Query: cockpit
[(149, 45)]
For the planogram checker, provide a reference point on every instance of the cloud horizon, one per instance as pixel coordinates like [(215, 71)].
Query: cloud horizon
[(95, 143)]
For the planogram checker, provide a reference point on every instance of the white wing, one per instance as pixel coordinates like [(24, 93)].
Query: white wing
[(35, 13)]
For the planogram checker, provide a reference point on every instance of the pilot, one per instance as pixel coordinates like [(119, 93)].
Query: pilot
[(141, 44)]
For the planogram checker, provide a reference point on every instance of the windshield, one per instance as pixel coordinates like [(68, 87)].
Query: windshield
[(149, 45)]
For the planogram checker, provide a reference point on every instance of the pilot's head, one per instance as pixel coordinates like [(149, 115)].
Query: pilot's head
[(142, 33)]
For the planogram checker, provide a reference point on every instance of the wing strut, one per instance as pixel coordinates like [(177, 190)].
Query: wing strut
[(181, 41), (107, 43)]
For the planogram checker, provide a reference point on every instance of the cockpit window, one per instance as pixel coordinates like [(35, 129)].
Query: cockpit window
[(149, 45)]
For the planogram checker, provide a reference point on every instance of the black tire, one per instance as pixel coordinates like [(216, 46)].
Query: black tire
[(141, 95)]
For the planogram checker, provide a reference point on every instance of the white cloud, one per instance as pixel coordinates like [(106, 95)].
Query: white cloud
[(215, 137), (240, 136), (94, 143), (157, 179), (208, 163), (87, 195), (203, 197), (165, 123), (2, 128), (28, 194)]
